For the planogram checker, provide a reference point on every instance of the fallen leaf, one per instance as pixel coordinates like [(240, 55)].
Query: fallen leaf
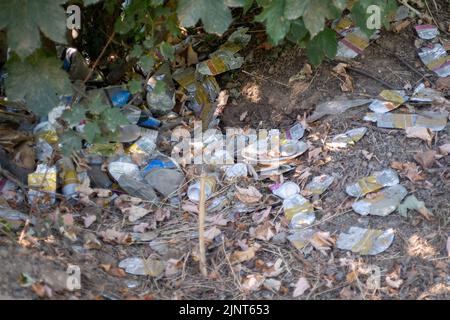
[(322, 241), (192, 57), (173, 267), (211, 233), (259, 216), (242, 256), (249, 195), (419, 132), (273, 269), (400, 25), (243, 116), (412, 203), (135, 213), (116, 237), (68, 219), (445, 148), (272, 285), (190, 207), (443, 83), (89, 220), (252, 282), (367, 154), (141, 227), (103, 193), (300, 287), (42, 290), (217, 220), (117, 272), (162, 214), (425, 159), (265, 231), (393, 283), (91, 242), (408, 169)]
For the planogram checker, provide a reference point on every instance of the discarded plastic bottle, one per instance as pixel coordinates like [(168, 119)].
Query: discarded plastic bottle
[(68, 176)]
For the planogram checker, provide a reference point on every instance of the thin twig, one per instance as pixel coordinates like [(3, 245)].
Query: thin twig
[(266, 79), (201, 227)]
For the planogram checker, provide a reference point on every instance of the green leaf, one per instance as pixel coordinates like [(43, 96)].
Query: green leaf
[(135, 86), (294, 9), (70, 142), (149, 43), (340, 4), (39, 80), (96, 106), (24, 19), (297, 32), (246, 4), (156, 3), (91, 129), (74, 115), (324, 44), (315, 14), (124, 25), (89, 2), (147, 63), (273, 17), (214, 14), (113, 118), (136, 51), (167, 50), (160, 87)]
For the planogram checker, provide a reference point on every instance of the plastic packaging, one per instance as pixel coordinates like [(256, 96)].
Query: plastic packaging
[(161, 102), (435, 121), (378, 180), (353, 44), (365, 241), (68, 176), (129, 133), (318, 185), (260, 152), (145, 145), (285, 190), (165, 181), (334, 107), (42, 184), (348, 138), (95, 172), (301, 207), (392, 99), (132, 113), (383, 204), (427, 31), (237, 170), (220, 62), (136, 188), (194, 189), (300, 239), (436, 59), (125, 166), (46, 131)]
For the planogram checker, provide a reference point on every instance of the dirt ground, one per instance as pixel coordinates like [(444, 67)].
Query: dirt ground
[(418, 255)]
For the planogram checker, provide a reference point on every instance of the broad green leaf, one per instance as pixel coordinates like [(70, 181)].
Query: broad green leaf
[(113, 118), (156, 3), (96, 106), (39, 80), (74, 115), (146, 63), (324, 44), (91, 130), (340, 4), (297, 32), (167, 50), (315, 14), (25, 18), (135, 86), (136, 51), (273, 17), (294, 9), (160, 87), (70, 142), (214, 14), (124, 25), (246, 4), (89, 2)]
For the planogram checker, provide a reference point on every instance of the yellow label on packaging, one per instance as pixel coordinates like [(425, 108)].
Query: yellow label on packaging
[(42, 181), (49, 136), (306, 207), (343, 23), (364, 245), (391, 95), (357, 41), (216, 65), (70, 177), (435, 64), (369, 184)]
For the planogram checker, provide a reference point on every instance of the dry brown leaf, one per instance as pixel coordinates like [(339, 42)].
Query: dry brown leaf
[(419, 132), (322, 241), (252, 282), (190, 207), (265, 231), (300, 287), (173, 267), (211, 233), (242, 256), (443, 83), (425, 159), (408, 169), (243, 116), (91, 242), (24, 156), (191, 56), (393, 283), (162, 214), (260, 216), (400, 25), (117, 272), (272, 285), (116, 237), (314, 154), (42, 290), (445, 149), (141, 227), (89, 220), (249, 195), (273, 269), (135, 213)]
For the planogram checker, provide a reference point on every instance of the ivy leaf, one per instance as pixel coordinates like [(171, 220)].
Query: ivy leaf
[(70, 142), (273, 16), (74, 115), (113, 118), (91, 129), (160, 87), (167, 50), (340, 4), (246, 4), (297, 32), (89, 2), (24, 19), (147, 63), (135, 86), (38, 80), (315, 14), (324, 44), (96, 106), (214, 14), (136, 51)]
